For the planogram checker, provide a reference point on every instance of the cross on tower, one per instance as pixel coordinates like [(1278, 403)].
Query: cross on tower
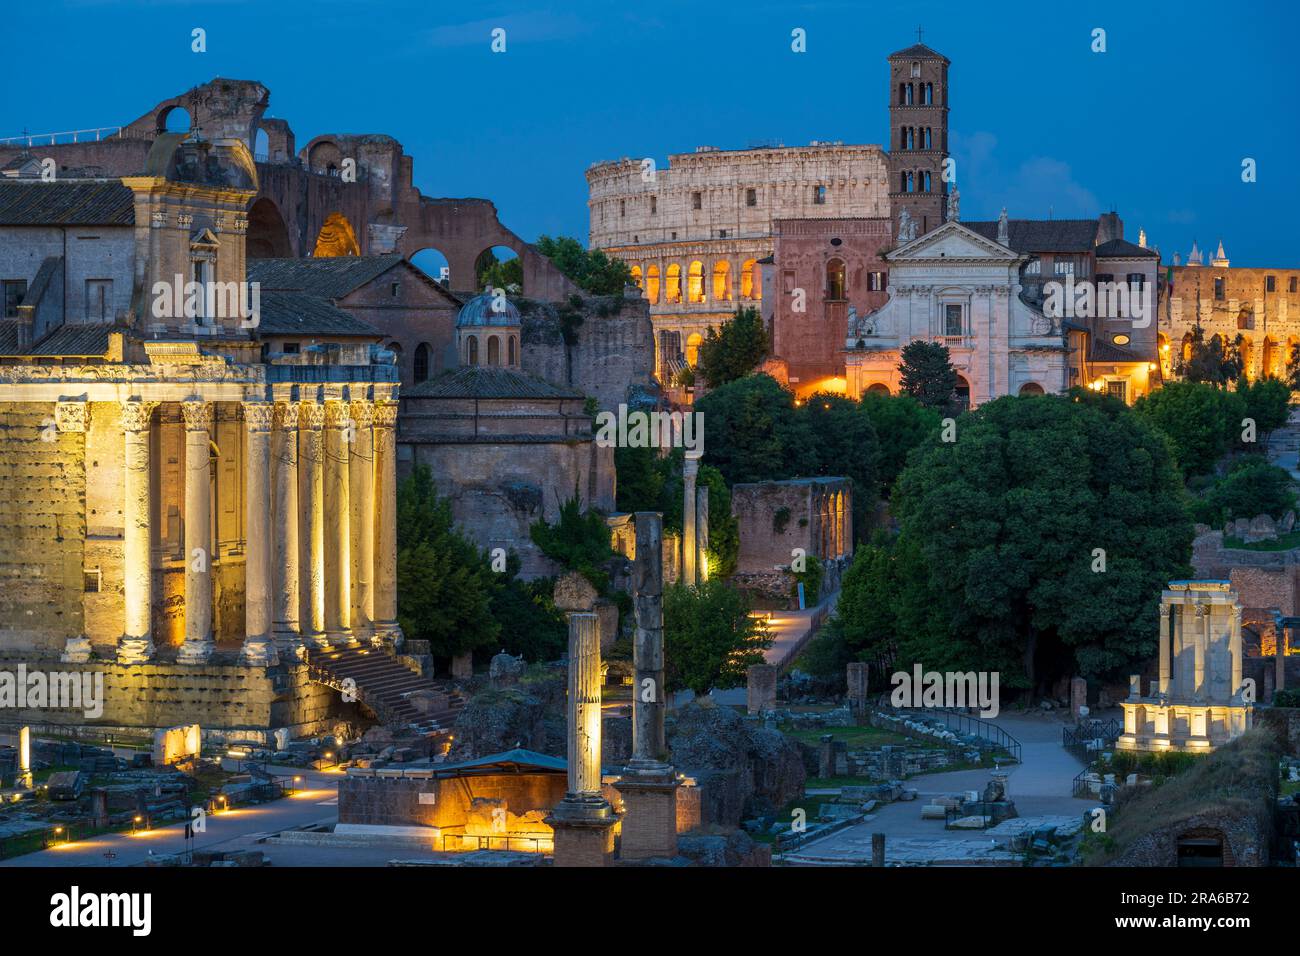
[(919, 31)]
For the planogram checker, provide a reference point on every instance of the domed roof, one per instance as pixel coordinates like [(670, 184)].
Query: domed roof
[(481, 311)]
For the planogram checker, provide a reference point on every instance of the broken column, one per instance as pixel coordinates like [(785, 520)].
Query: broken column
[(857, 673), (583, 822), (760, 688), (24, 778), (702, 533), (1078, 696), (648, 785), (690, 545)]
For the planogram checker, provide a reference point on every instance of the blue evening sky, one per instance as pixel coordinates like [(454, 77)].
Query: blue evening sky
[(1156, 127)]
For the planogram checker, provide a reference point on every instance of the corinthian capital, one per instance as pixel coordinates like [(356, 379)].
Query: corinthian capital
[(311, 416), (385, 414), (198, 416), (258, 415), (363, 414), (136, 415), (286, 415)]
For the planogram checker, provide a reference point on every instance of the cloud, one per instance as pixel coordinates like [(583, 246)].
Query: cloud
[(536, 27), (1039, 185)]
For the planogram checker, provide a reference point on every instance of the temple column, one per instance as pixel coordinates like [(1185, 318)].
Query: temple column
[(1234, 649), (136, 644), (258, 650), (1199, 649), (1163, 686), (648, 785), (284, 511), (690, 468), (583, 821), (386, 629), (312, 460), (338, 541), (198, 644), (362, 492)]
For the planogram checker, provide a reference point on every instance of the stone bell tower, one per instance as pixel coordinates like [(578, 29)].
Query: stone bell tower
[(918, 136)]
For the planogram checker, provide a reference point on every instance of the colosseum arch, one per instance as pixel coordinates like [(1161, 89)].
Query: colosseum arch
[(693, 343), (268, 237), (336, 238), (673, 285), (652, 284), (751, 285), (695, 282), (638, 279), (722, 281), (1271, 359)]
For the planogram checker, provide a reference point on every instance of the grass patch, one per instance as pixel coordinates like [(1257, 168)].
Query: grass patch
[(855, 737), (1283, 542)]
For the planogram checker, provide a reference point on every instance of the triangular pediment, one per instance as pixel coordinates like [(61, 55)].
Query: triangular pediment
[(204, 239), (952, 240)]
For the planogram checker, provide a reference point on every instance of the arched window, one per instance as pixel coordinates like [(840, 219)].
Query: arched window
[(910, 92), (471, 349), (695, 282), (927, 181), (902, 137), (494, 350), (420, 370), (674, 291), (911, 183), (652, 284), (749, 288), (722, 281), (927, 137), (835, 280), (637, 280), (878, 388), (1031, 388)]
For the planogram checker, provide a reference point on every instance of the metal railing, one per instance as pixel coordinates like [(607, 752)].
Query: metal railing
[(496, 842), (95, 135), (992, 736), (1083, 738)]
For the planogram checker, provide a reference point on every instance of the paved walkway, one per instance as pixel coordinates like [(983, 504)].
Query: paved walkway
[(1040, 787)]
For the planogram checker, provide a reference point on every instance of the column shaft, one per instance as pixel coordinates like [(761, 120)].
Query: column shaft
[(284, 510), (1165, 611), (136, 644), (584, 704), (702, 533), (648, 651), (385, 519), (362, 496), (338, 541), (312, 461), (690, 467), (198, 644), (258, 649), (1200, 649), (1234, 648)]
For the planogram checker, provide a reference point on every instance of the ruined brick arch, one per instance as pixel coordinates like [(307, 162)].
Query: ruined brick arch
[(268, 236), (517, 248), (336, 238), (168, 113), (429, 267), (322, 155)]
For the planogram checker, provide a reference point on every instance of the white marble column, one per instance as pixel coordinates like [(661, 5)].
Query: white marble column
[(584, 705), (702, 533), (1234, 649), (362, 496), (1163, 686), (284, 510), (198, 644), (136, 643), (258, 650), (338, 541), (386, 628), (312, 462), (1199, 651), (690, 468)]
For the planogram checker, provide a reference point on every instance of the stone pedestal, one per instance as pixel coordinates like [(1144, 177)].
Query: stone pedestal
[(650, 815), (761, 688), (583, 833)]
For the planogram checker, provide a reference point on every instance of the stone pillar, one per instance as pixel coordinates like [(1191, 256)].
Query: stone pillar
[(386, 628), (877, 849), (312, 459), (583, 821), (286, 628), (702, 533), (198, 644), (338, 532), (1234, 650), (1279, 658), (258, 649), (1200, 648), (690, 468), (760, 688), (24, 757), (1165, 610), (648, 785), (136, 644), (462, 666), (362, 494), (858, 674), (1078, 696)]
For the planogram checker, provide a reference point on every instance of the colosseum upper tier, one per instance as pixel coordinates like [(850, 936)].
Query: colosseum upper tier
[(695, 232)]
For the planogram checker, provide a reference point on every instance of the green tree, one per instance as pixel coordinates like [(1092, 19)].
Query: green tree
[(530, 623), (507, 275), (1214, 362), (752, 432), (1268, 405), (735, 350), (591, 270), (927, 374), (579, 541), (843, 443), (710, 638), (444, 583), (1037, 543), (1251, 487), (1201, 420), (901, 423)]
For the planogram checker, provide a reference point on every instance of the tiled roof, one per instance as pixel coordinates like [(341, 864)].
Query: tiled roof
[(63, 340), (484, 381), (1042, 235), (30, 203), (329, 277), (919, 50), (1123, 249), (294, 313), (1103, 351)]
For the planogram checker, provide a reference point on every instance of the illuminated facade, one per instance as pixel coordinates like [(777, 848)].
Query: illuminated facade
[(1199, 701)]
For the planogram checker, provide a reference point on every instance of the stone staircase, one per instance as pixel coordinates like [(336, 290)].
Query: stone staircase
[(389, 688)]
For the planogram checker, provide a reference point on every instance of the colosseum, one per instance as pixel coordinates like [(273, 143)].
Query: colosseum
[(695, 233)]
